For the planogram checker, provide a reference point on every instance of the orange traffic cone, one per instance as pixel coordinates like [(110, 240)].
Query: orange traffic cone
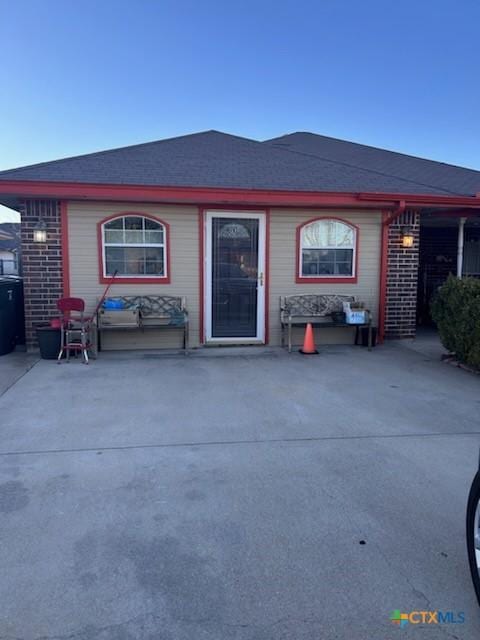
[(308, 342)]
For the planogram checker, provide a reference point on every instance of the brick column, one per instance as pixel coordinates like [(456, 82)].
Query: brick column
[(402, 279), (42, 265)]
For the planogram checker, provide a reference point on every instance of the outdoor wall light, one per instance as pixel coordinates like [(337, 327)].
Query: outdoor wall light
[(407, 238), (40, 231)]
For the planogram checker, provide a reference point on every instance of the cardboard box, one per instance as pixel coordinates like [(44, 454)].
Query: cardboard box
[(356, 316), (118, 318), (156, 321)]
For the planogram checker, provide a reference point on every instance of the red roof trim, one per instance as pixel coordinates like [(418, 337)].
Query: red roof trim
[(208, 195)]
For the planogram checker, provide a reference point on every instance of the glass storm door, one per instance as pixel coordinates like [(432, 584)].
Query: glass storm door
[(235, 276)]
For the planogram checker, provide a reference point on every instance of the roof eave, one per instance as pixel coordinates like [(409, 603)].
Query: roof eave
[(16, 190)]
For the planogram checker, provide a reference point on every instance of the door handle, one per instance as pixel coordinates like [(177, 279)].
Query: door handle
[(260, 277)]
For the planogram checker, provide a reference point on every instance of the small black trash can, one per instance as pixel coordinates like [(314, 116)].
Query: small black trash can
[(49, 340), (12, 317), (19, 313)]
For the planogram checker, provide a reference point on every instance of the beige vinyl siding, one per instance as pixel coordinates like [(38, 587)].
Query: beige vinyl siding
[(184, 264), (283, 268), (184, 261)]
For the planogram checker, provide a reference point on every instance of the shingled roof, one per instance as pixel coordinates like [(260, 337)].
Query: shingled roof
[(451, 178), (297, 162)]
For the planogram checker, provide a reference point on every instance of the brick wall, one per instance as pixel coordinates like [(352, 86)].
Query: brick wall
[(42, 265), (402, 277)]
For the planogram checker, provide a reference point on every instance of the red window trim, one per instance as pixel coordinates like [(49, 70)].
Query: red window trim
[(103, 279), (299, 279)]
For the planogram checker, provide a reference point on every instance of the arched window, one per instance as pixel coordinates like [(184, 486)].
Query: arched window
[(327, 250), (134, 246)]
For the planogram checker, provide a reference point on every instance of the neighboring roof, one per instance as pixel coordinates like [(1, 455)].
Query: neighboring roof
[(10, 236), (458, 180), (215, 159)]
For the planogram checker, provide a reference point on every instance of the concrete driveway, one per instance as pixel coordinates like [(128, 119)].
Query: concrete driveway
[(252, 497)]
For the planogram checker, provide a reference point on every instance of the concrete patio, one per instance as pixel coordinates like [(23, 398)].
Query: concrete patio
[(249, 495)]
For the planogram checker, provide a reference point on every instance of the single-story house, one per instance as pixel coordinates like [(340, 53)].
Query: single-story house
[(193, 215)]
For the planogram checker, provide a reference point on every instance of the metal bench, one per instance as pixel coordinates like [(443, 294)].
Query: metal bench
[(145, 312), (299, 310)]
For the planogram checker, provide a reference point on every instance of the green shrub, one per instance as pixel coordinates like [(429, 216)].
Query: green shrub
[(456, 311)]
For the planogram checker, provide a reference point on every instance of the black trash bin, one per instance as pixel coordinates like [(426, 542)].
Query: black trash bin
[(19, 312), (7, 316), (49, 342)]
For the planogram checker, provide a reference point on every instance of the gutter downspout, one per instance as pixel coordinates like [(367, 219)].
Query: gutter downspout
[(400, 208), (460, 243)]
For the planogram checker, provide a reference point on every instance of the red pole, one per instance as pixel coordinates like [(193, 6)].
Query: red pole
[(383, 278)]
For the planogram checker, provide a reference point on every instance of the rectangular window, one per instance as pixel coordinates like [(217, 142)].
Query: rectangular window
[(134, 246), (326, 250), (324, 262), (134, 261)]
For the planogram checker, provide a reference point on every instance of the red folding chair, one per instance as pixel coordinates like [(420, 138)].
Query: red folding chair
[(75, 328)]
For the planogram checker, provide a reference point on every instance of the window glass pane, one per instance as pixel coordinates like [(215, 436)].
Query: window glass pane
[(330, 230), (134, 230), (114, 224), (134, 261), (154, 261), (309, 263), (344, 268), (317, 262), (154, 237), (112, 266), (234, 230), (314, 235), (326, 268), (114, 253), (327, 233), (151, 224), (343, 255), (114, 260), (133, 237), (154, 268), (344, 258), (344, 235), (133, 222), (325, 255), (154, 253), (114, 235), (325, 262), (319, 234)]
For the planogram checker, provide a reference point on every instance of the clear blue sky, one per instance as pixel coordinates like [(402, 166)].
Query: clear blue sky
[(87, 75)]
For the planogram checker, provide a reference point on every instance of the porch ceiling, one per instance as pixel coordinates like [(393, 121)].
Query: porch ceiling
[(432, 218)]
